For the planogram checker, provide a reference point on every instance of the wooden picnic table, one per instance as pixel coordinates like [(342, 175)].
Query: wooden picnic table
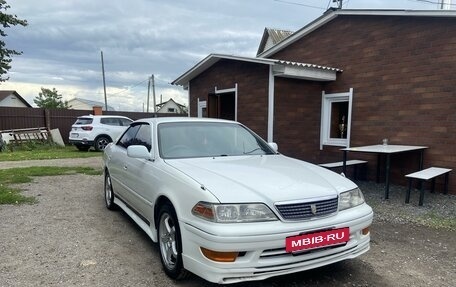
[(385, 150)]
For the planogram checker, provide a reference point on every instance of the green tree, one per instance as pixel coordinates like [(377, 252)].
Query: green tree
[(6, 21), (50, 99)]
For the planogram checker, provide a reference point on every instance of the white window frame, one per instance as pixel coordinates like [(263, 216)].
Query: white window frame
[(326, 103)]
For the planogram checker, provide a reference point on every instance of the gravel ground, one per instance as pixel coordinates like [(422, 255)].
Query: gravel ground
[(70, 239)]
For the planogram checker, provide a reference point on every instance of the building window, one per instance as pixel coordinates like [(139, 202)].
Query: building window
[(171, 110), (336, 119)]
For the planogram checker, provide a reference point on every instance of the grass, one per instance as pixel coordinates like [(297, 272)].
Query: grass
[(434, 220), (10, 195), (45, 152)]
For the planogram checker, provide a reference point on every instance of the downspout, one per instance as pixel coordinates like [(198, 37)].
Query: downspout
[(271, 105), (188, 96)]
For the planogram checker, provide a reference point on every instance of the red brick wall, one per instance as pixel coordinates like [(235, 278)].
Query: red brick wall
[(252, 80), (402, 70), (297, 118)]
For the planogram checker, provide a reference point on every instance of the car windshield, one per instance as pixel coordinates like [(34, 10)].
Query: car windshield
[(204, 139)]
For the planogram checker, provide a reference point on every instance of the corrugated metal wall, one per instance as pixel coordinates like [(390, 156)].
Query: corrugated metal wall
[(62, 119), (21, 118)]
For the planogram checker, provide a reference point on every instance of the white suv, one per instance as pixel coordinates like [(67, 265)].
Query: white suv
[(97, 131)]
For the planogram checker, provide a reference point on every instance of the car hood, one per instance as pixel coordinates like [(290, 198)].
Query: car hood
[(270, 178)]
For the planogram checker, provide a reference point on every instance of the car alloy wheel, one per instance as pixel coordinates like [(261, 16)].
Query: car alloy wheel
[(101, 143), (109, 194), (170, 243)]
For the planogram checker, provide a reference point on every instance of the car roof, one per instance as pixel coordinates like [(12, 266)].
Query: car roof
[(181, 119), (104, 116)]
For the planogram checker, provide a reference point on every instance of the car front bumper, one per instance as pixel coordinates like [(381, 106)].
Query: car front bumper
[(263, 252)]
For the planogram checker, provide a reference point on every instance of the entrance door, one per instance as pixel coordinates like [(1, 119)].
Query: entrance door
[(222, 105)]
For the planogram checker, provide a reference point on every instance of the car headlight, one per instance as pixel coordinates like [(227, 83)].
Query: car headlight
[(350, 199), (230, 213)]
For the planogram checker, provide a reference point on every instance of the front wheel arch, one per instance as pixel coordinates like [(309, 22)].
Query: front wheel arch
[(162, 200), (170, 241)]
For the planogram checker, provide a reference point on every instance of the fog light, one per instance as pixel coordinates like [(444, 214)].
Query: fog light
[(365, 231), (219, 256)]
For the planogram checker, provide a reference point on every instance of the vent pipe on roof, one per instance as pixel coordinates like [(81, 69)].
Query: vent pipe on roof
[(339, 3)]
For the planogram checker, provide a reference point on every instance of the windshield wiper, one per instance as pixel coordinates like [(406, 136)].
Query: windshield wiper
[(253, 150)]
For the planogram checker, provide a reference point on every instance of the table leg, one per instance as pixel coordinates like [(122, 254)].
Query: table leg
[(407, 195), (344, 165), (387, 175), (378, 168), (421, 194), (421, 159), (420, 167), (445, 190)]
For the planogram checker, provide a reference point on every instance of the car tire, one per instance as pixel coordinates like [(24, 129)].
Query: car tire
[(82, 148), (170, 243), (101, 142), (109, 193)]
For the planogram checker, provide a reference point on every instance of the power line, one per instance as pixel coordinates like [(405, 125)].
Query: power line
[(129, 88), (432, 2), (300, 4)]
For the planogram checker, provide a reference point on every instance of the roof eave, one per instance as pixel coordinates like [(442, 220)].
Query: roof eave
[(332, 14), (210, 60)]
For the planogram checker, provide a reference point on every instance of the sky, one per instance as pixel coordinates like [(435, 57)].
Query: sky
[(63, 40)]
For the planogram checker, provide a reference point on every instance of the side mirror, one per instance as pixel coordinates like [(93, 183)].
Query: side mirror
[(274, 146), (138, 151)]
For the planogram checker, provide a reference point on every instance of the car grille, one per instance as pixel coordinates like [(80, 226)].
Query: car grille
[(303, 210)]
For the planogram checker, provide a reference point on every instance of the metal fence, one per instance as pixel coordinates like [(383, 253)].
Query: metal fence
[(62, 119)]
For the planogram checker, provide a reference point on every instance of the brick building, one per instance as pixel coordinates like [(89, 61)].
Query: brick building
[(373, 74)]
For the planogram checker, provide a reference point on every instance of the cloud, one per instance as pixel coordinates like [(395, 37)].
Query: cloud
[(63, 40)]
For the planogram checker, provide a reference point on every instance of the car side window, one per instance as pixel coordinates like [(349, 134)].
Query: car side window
[(143, 137), (125, 122), (128, 137), (110, 121)]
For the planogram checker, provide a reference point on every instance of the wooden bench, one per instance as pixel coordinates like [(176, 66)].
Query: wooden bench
[(353, 162), (427, 174), (21, 136)]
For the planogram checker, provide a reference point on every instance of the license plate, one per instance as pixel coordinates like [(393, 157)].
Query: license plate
[(317, 239), (74, 135)]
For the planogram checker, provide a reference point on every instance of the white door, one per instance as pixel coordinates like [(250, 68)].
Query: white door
[(202, 109)]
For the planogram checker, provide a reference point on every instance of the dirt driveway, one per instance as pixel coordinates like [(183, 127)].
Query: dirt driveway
[(70, 239)]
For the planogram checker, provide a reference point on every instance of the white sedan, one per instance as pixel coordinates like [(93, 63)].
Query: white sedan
[(225, 205)]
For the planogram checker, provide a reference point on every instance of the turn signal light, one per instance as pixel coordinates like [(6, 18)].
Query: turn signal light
[(365, 231), (87, 128), (203, 210), (219, 256)]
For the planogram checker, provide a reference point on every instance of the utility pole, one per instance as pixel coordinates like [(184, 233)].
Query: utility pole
[(104, 81), (153, 93), (148, 94), (445, 4)]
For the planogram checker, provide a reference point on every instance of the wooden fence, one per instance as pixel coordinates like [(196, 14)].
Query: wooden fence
[(62, 119)]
